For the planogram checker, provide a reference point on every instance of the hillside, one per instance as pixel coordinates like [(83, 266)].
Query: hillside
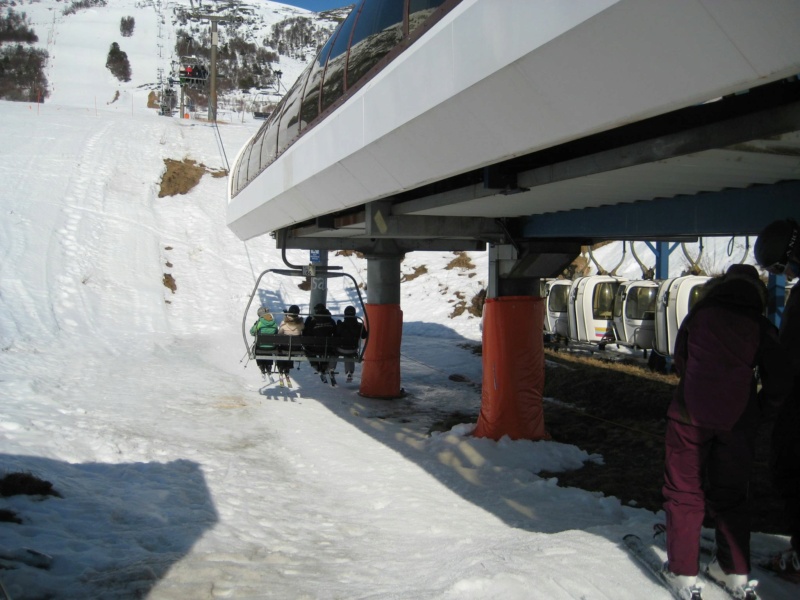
[(256, 40)]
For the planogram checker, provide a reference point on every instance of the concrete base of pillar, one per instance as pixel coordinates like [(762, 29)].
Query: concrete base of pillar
[(380, 369), (513, 369)]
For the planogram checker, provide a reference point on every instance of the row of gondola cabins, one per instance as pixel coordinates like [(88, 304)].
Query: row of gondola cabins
[(637, 314)]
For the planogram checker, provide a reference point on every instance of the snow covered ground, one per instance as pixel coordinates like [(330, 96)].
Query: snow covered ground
[(182, 475)]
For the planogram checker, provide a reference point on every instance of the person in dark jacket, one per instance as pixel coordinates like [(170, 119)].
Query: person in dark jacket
[(349, 330), (712, 421), (321, 325), (265, 325), (777, 249)]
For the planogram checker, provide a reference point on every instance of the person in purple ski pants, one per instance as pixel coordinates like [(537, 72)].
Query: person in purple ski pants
[(713, 418)]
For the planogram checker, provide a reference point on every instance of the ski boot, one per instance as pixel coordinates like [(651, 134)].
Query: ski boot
[(739, 586), (685, 586)]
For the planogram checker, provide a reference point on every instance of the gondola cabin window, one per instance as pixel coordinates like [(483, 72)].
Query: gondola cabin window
[(641, 304), (559, 298), (603, 300)]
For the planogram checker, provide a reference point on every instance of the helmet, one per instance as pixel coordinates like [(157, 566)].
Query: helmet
[(350, 311), (293, 310), (777, 245), (262, 311)]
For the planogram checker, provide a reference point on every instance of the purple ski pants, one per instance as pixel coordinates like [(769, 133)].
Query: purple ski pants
[(707, 471)]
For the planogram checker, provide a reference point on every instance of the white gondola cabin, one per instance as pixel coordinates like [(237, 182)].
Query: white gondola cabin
[(635, 313), (556, 318), (676, 296), (591, 309)]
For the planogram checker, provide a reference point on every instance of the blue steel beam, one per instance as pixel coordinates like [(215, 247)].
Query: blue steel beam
[(727, 212)]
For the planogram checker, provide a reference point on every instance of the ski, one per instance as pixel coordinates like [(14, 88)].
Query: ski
[(648, 557), (708, 547), (748, 592)]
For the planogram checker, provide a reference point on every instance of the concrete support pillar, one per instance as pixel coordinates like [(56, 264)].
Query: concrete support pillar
[(380, 373), (513, 352), (319, 285)]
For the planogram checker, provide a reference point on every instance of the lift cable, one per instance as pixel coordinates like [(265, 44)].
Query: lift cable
[(600, 269), (694, 262), (640, 262), (731, 248)]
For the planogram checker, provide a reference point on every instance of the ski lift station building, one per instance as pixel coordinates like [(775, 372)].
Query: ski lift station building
[(531, 128)]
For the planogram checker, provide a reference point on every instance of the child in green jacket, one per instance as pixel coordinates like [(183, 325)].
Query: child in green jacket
[(265, 325)]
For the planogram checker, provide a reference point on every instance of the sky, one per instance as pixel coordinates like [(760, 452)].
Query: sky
[(182, 474)]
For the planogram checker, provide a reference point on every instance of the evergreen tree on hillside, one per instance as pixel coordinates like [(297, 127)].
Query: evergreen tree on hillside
[(15, 27), (126, 25), (117, 62), (22, 73), (21, 67)]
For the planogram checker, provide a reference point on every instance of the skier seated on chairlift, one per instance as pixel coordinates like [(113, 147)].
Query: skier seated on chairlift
[(265, 325), (349, 331), (321, 325), (292, 325)]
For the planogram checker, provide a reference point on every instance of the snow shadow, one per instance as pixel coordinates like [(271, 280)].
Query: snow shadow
[(114, 525), (499, 476)]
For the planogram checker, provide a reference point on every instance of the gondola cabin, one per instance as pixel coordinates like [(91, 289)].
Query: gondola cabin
[(675, 298), (591, 309), (556, 318), (635, 313)]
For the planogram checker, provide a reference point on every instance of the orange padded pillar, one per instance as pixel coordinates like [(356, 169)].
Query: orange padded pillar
[(380, 369), (513, 369)]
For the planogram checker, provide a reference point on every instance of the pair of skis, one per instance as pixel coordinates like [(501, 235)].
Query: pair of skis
[(650, 558), (326, 374), (284, 380)]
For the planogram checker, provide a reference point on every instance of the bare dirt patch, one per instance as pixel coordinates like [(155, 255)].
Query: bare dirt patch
[(421, 270), (461, 261), (181, 176), (169, 282), (15, 484), (475, 306)]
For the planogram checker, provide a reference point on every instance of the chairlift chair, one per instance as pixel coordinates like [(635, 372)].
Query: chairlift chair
[(591, 309), (635, 313), (675, 298), (302, 347), (192, 72), (556, 318)]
